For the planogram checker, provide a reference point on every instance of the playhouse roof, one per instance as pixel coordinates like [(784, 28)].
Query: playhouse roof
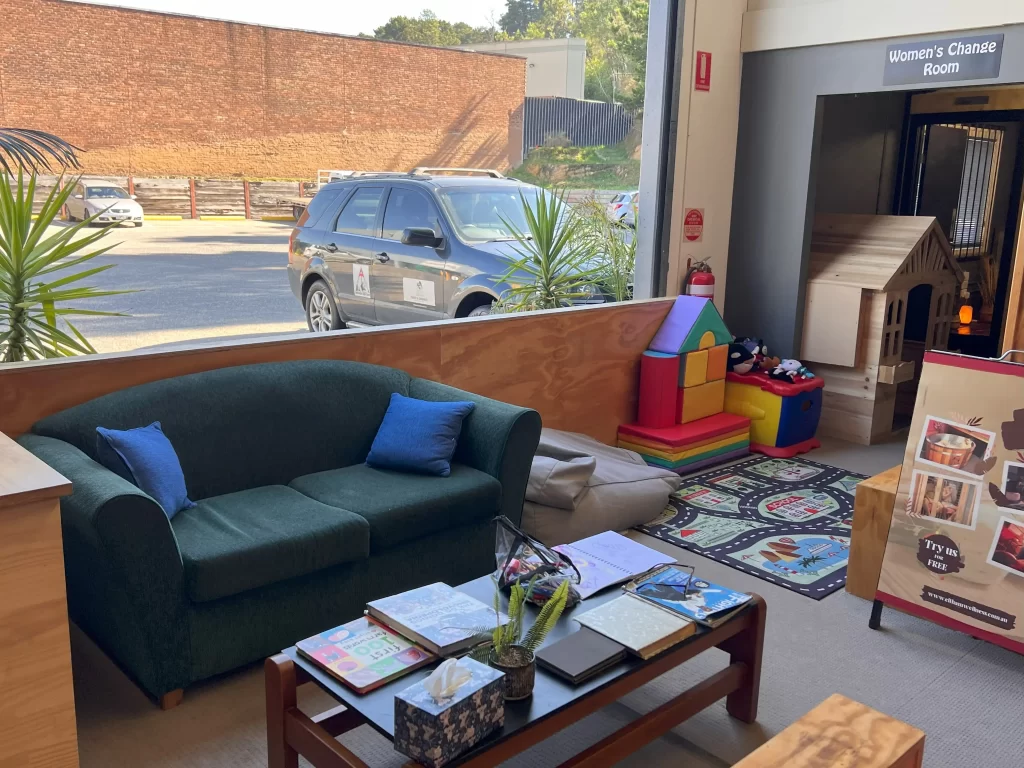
[(689, 319), (870, 252)]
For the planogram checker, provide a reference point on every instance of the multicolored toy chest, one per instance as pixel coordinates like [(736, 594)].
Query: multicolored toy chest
[(783, 415)]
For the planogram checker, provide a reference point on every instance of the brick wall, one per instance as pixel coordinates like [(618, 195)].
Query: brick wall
[(162, 95)]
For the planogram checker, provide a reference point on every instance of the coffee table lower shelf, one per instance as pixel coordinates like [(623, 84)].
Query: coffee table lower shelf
[(290, 732)]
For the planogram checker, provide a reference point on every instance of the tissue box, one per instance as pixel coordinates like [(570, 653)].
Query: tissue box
[(435, 734)]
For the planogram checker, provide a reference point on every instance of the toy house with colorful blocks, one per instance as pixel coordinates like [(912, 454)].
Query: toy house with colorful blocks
[(783, 415), (681, 424)]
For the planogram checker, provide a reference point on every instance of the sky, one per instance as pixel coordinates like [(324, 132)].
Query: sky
[(347, 17)]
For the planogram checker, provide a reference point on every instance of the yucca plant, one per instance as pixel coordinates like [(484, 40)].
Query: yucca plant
[(614, 243), (36, 286), (554, 264)]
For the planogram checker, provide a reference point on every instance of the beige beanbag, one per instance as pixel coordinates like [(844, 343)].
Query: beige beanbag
[(579, 486)]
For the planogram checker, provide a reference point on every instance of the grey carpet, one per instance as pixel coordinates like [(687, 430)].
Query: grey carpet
[(963, 693)]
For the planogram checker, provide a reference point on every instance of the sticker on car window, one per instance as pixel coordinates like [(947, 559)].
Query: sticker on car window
[(417, 291), (361, 281)]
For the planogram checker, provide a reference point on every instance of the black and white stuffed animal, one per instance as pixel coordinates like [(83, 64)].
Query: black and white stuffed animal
[(790, 370), (741, 359)]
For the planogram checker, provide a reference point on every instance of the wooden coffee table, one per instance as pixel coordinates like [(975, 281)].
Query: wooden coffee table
[(555, 704)]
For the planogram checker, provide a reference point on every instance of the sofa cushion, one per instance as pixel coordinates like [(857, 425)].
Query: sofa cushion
[(249, 539), (401, 507), (419, 435)]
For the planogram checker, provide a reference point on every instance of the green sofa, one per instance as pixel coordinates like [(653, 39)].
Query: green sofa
[(292, 533)]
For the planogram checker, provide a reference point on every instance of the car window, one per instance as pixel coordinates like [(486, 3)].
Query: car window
[(327, 196), (407, 208), (360, 212), (481, 214), (115, 193)]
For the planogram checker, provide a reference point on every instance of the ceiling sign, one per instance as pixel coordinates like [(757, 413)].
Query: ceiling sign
[(937, 61)]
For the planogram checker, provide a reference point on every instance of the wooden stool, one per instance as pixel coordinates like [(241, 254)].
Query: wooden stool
[(841, 732), (872, 514)]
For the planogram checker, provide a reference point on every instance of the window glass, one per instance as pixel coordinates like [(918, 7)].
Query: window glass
[(114, 193), (482, 214), (327, 196), (360, 212), (407, 208)]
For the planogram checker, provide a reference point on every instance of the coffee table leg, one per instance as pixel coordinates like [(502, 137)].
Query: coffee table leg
[(746, 648), (281, 696)]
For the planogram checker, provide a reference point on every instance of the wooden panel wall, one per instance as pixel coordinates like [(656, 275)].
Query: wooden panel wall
[(218, 197), (166, 197), (578, 367), (265, 197)]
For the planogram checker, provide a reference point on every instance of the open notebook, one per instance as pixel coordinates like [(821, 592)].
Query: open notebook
[(610, 558)]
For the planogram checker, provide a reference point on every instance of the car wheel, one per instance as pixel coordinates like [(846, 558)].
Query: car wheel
[(321, 311), (483, 309), (71, 216), (138, 223)]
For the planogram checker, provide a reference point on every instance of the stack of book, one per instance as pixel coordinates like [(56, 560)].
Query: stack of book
[(399, 634)]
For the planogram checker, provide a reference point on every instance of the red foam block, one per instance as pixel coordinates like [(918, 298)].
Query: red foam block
[(692, 432), (659, 380)]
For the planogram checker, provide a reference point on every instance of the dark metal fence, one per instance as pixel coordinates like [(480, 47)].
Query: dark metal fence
[(582, 123)]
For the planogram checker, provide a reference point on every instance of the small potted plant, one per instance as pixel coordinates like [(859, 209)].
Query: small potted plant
[(513, 654)]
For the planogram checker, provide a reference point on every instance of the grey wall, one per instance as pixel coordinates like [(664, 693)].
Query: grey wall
[(781, 115), (859, 150)]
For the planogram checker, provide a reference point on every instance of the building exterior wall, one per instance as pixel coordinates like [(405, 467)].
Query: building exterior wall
[(553, 67), (163, 95)]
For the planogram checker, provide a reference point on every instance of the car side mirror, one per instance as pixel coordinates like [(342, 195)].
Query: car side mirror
[(421, 236), (78, 197), (134, 197)]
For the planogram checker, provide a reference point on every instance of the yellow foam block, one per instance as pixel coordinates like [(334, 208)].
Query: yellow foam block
[(695, 370), (717, 358), (645, 451), (704, 400), (707, 340), (642, 445)]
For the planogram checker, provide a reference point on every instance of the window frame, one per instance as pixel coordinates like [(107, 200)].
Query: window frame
[(378, 218), (438, 218)]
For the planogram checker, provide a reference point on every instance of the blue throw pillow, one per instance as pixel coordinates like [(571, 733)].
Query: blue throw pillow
[(419, 435), (145, 458)]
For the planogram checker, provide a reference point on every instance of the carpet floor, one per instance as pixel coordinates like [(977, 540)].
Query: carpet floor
[(963, 693)]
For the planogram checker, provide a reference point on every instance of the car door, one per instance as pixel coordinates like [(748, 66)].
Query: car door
[(408, 280), (348, 248), (76, 203)]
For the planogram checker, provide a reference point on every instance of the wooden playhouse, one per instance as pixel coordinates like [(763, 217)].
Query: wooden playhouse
[(880, 291)]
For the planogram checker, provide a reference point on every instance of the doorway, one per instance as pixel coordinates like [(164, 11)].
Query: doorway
[(965, 169)]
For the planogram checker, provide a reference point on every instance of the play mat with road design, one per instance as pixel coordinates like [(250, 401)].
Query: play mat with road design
[(783, 520)]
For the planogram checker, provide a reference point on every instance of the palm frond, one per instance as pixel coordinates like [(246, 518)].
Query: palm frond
[(35, 150)]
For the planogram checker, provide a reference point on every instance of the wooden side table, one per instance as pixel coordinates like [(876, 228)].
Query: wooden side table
[(872, 515), (841, 732), (37, 700)]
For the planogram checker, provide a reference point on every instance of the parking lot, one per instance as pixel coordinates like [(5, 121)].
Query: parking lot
[(196, 280)]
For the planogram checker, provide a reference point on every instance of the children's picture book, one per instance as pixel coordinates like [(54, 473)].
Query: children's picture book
[(609, 558), (363, 654), (672, 588), (438, 617)]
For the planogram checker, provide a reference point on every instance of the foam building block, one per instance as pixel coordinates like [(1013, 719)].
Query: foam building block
[(694, 369), (688, 447), (659, 395), (702, 401), (717, 359), (687, 326)]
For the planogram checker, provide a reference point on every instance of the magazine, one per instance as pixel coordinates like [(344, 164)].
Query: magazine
[(609, 558), (672, 588)]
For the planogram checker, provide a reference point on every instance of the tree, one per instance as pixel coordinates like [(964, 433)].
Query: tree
[(630, 40), (518, 16), (427, 29)]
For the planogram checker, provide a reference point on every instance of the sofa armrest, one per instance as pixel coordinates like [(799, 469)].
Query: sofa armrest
[(123, 567), (497, 438)]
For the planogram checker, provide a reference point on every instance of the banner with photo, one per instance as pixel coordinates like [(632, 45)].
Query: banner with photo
[(955, 552)]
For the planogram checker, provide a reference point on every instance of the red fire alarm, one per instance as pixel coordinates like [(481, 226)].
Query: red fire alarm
[(702, 71)]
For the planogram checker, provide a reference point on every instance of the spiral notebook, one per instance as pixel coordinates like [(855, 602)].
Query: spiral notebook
[(610, 558)]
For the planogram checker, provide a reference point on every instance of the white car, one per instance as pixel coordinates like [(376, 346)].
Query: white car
[(623, 208), (108, 200)]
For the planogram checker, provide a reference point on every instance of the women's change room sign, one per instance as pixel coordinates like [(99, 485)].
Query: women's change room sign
[(954, 58)]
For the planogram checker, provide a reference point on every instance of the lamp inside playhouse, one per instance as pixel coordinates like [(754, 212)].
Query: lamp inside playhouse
[(966, 314)]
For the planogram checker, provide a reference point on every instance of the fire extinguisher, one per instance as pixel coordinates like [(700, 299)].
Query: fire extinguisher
[(699, 281)]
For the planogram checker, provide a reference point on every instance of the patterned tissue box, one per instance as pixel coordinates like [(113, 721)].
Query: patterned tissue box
[(435, 734)]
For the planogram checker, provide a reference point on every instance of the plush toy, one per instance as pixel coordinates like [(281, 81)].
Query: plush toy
[(790, 370), (740, 360), (759, 350)]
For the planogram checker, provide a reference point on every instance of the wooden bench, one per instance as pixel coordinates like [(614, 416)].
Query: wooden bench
[(841, 733), (872, 515)]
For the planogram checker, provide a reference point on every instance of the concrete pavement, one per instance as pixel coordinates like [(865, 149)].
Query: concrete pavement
[(197, 280)]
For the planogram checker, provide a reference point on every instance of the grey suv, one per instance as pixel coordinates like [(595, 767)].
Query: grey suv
[(384, 249)]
